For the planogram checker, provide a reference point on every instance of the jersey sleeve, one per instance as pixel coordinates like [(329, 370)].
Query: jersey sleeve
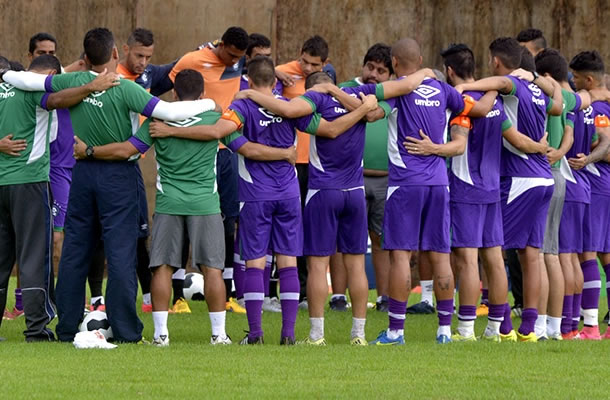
[(160, 82), (142, 140), (367, 89), (570, 119), (309, 124), (315, 99), (234, 141), (137, 99), (514, 81), (38, 98), (549, 102), (455, 101), (55, 83), (386, 107), (236, 113), (576, 102)]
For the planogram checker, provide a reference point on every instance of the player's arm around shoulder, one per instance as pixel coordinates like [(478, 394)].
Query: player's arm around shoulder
[(340, 125)]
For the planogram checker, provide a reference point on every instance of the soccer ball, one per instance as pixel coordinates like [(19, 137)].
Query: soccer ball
[(97, 320), (193, 286)]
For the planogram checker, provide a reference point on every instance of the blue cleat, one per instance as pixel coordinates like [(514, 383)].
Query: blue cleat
[(421, 308), (384, 340), (442, 339)]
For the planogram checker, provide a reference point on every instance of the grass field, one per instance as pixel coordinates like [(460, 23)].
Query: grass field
[(191, 368)]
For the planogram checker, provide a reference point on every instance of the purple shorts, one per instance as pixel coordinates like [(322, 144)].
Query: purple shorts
[(525, 205), (417, 218), (476, 225), (335, 220), (599, 225), (571, 228), (60, 180), (275, 224)]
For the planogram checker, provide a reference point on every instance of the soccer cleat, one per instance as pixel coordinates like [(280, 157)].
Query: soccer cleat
[(358, 341), (161, 341), (7, 315), (556, 336), (456, 337), (509, 337), (271, 306), (241, 302), (143, 341), (607, 317), (516, 311), (384, 340), (443, 339), (590, 333), (382, 306), (16, 313), (181, 307), (338, 304), (303, 305), (247, 340), (97, 306), (530, 337), (217, 339), (146, 308), (287, 341), (607, 334), (233, 306), (491, 338), (482, 310), (420, 308), (567, 336), (309, 342)]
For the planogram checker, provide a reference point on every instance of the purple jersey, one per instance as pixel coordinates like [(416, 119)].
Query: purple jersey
[(62, 140), (269, 180), (526, 107), (599, 173), (579, 188), (278, 90), (427, 108), (475, 175), (336, 163)]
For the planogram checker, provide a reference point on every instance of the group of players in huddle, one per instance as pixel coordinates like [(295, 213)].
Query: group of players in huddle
[(456, 171)]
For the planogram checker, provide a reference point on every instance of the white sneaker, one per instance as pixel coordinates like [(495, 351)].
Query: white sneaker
[(220, 340), (242, 302), (271, 306), (303, 305), (161, 341)]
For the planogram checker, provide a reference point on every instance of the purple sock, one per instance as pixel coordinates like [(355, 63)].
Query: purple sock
[(507, 324), (496, 312), (528, 320), (607, 272), (289, 298), (566, 315), (576, 310), (592, 285), (485, 297), (18, 300), (267, 275), (465, 313), (239, 270), (444, 309), (397, 311), (254, 295)]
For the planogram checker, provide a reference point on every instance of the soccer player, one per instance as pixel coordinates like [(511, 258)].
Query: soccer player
[(533, 40), (104, 196), (314, 54), (588, 68), (526, 181), (187, 197), (376, 68), (557, 258), (221, 64), (258, 45), (270, 216), (41, 43), (474, 191), (25, 208)]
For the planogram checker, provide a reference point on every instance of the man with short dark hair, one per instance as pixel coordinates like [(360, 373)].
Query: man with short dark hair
[(533, 40), (42, 43)]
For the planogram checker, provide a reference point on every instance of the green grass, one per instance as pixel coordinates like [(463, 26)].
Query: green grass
[(191, 368)]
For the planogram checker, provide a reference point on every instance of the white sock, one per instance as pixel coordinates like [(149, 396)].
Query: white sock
[(358, 327), (466, 328), (444, 330), (96, 298), (179, 274), (540, 327), (553, 326), (590, 316), (146, 298), (338, 296), (395, 334), (493, 328), (160, 322), (427, 290), (379, 298), (217, 319), (316, 332)]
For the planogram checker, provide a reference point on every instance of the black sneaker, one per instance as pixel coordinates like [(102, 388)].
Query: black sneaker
[(606, 317), (248, 340), (287, 341), (338, 304), (382, 306), (421, 308)]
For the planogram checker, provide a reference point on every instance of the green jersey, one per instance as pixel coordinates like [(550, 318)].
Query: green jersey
[(24, 115), (186, 169), (376, 138), (109, 116), (556, 124)]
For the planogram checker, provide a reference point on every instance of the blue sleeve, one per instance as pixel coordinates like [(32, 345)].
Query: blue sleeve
[(159, 76)]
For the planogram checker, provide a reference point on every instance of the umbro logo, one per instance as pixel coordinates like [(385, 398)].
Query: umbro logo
[(7, 90), (426, 91), (185, 122), (270, 116), (7, 87), (97, 94)]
